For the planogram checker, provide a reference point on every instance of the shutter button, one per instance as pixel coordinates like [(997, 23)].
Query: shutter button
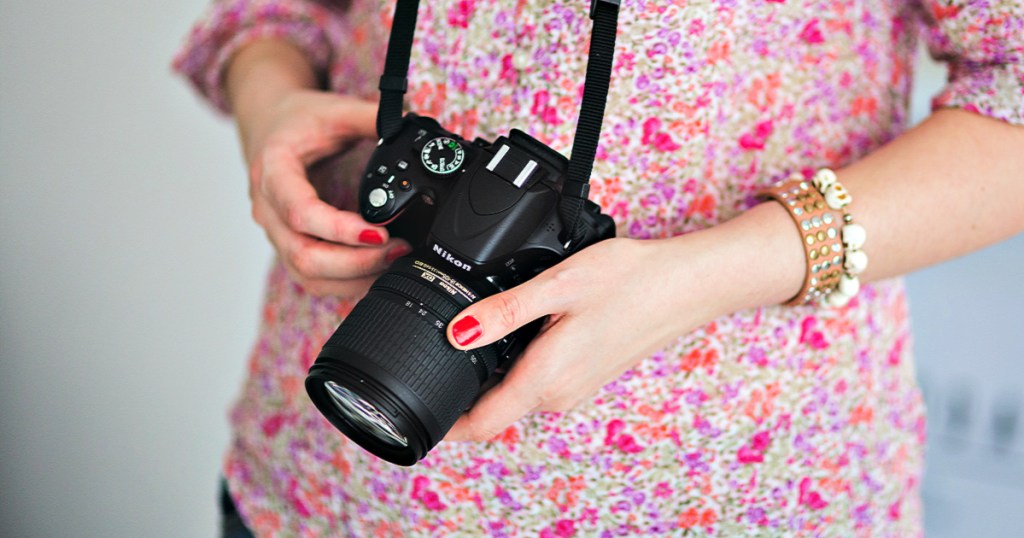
[(378, 197)]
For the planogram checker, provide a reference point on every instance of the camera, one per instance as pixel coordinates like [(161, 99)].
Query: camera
[(482, 218)]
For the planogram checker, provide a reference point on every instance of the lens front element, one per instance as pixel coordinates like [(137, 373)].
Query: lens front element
[(364, 415)]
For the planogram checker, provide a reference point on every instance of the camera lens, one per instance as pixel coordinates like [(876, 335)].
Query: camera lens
[(387, 377), (364, 414)]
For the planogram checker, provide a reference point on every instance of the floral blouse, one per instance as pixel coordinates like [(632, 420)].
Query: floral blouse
[(777, 421)]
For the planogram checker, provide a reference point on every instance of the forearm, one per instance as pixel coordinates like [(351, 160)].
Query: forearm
[(259, 75), (950, 186)]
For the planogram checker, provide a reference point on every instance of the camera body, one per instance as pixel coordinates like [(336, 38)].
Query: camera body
[(482, 217), (485, 208)]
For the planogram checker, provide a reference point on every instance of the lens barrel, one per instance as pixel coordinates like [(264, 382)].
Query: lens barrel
[(388, 378)]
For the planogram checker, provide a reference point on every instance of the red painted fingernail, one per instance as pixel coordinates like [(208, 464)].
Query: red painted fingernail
[(466, 330), (396, 253), (371, 237)]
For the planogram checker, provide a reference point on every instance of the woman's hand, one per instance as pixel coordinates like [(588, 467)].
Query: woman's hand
[(284, 128), (328, 251), (610, 305), (618, 301)]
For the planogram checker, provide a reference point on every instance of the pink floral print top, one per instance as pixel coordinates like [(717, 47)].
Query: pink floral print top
[(770, 422)]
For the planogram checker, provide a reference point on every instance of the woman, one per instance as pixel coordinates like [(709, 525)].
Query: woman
[(671, 392)]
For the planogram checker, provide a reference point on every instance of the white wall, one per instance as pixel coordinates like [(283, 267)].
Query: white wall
[(130, 277)]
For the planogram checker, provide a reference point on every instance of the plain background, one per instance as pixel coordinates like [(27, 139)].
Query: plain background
[(130, 280)]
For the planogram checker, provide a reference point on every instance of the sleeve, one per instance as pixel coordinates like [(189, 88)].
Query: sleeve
[(983, 43), (230, 24)]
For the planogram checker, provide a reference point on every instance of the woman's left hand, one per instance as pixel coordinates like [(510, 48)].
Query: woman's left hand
[(610, 305)]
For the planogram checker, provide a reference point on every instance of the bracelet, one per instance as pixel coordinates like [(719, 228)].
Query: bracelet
[(855, 261), (832, 242)]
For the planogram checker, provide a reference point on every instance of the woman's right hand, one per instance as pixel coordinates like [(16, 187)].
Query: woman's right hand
[(326, 250)]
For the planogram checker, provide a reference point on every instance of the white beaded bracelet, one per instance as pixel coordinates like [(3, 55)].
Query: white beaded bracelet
[(855, 261)]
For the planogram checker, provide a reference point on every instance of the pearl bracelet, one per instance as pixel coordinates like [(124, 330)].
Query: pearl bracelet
[(833, 249), (855, 261)]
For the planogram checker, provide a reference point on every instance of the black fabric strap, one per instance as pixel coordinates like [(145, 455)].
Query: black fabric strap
[(588, 128), (605, 13), (394, 82)]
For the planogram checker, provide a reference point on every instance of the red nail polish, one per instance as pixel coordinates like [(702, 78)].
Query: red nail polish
[(396, 253), (371, 237), (466, 330)]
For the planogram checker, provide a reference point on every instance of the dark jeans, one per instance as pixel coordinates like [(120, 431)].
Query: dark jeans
[(231, 524)]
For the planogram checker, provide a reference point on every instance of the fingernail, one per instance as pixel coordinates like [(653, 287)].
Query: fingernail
[(396, 253), (371, 237), (466, 330)]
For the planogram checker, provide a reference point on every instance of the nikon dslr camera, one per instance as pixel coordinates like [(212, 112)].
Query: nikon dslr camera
[(482, 217)]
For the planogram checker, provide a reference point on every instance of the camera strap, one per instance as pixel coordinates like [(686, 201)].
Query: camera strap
[(576, 189), (605, 13), (394, 82)]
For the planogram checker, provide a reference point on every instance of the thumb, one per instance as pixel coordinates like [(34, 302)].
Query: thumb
[(493, 318)]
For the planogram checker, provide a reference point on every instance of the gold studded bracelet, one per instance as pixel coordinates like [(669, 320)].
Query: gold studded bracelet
[(831, 240)]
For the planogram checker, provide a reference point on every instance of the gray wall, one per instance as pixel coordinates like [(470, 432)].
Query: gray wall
[(970, 358), (130, 277)]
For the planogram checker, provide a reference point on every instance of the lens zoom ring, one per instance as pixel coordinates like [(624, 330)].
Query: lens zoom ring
[(431, 297)]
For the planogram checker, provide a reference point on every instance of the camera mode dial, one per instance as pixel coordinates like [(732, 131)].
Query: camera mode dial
[(442, 156)]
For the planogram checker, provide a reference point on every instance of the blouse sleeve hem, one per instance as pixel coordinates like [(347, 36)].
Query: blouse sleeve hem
[(996, 91)]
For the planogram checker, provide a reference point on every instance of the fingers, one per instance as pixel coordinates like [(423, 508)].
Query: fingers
[(327, 251), (483, 323), (545, 378), (497, 409), (552, 375), (315, 124), (280, 178), (350, 289), (498, 315), (311, 260)]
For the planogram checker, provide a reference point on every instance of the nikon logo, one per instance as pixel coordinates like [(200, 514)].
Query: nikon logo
[(451, 259)]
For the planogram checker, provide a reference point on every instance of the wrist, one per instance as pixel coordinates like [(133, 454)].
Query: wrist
[(261, 75), (756, 259)]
